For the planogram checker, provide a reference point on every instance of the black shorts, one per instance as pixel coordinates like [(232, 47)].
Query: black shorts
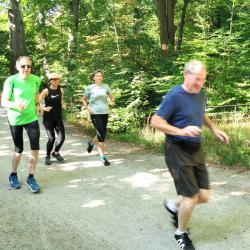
[(187, 168), (100, 122), (33, 132)]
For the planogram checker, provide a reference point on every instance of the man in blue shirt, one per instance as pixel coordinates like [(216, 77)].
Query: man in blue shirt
[(180, 117)]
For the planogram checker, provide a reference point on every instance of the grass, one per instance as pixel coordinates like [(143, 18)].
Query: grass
[(235, 154)]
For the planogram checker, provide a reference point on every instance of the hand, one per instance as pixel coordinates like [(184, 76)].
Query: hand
[(221, 135), (192, 131), (47, 109), (90, 111), (64, 106), (112, 102), (20, 106)]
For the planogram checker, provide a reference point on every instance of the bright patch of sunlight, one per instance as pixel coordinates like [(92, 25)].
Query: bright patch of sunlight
[(94, 203), (217, 183), (238, 193), (141, 180), (72, 186), (71, 166), (76, 144), (75, 181), (108, 177), (4, 153), (157, 170), (117, 161), (145, 197)]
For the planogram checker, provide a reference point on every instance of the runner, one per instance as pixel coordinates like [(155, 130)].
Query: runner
[(21, 97), (180, 117), (52, 117), (95, 100)]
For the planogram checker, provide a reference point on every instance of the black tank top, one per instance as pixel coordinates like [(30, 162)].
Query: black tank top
[(53, 100)]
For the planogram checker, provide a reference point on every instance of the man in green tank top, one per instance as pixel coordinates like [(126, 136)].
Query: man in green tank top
[(21, 97)]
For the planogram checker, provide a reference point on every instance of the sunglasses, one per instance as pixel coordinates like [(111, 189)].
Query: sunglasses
[(54, 79), (25, 66)]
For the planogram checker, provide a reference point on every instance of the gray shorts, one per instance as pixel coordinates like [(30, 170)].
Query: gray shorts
[(187, 169)]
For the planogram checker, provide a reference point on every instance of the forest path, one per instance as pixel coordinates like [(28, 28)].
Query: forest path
[(84, 205)]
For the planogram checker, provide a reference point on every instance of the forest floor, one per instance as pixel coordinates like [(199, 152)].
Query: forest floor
[(85, 205)]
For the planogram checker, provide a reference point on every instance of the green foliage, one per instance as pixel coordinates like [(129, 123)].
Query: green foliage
[(236, 153)]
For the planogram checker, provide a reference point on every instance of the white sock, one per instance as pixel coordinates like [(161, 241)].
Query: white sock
[(179, 232), (171, 205)]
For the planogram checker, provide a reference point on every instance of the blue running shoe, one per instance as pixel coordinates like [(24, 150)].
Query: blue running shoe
[(14, 183), (32, 185)]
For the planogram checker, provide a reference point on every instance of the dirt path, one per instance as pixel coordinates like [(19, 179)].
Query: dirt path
[(84, 205)]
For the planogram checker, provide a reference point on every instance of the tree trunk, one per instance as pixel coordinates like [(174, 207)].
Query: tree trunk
[(166, 13), (17, 34), (43, 38), (182, 23), (162, 19), (171, 28), (72, 39)]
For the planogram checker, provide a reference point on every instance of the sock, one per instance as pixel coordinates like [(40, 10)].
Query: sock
[(30, 176), (179, 232), (102, 157), (56, 153), (13, 174), (171, 205)]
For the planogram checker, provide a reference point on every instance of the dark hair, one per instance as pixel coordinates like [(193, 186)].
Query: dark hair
[(91, 77)]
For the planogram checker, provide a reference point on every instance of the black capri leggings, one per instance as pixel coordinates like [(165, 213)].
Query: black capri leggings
[(52, 126), (100, 122), (33, 132)]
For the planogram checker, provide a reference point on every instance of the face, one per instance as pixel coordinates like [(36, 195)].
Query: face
[(54, 82), (193, 82), (24, 67), (98, 77)]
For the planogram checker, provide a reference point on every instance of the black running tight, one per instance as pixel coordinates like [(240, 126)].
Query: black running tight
[(51, 127)]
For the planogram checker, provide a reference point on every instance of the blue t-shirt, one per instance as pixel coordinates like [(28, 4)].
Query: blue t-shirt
[(180, 109)]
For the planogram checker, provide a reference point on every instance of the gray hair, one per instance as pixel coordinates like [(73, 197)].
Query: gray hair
[(194, 66), (23, 57)]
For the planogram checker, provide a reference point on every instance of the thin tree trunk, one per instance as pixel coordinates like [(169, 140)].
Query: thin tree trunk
[(72, 39), (171, 28), (162, 19), (43, 38), (117, 41), (17, 34), (182, 23), (166, 13)]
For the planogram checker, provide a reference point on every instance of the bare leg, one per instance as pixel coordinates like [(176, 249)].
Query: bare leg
[(100, 146), (185, 211), (16, 158), (33, 161)]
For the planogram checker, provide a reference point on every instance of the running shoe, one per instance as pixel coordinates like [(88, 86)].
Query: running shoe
[(174, 215), (184, 241), (47, 160), (90, 146), (105, 161), (14, 183), (32, 185), (58, 157)]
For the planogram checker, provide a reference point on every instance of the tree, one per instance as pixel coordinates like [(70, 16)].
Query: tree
[(166, 14), (17, 34), (73, 30), (182, 23)]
